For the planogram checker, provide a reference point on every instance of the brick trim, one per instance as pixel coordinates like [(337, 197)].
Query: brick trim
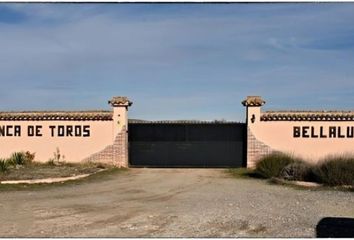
[(255, 149), (115, 154), (120, 148)]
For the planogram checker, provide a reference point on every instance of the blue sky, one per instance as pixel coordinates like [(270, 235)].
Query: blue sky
[(177, 61)]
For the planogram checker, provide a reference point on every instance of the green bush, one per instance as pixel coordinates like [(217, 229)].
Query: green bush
[(272, 164), (336, 170), (18, 158), (4, 165), (21, 158)]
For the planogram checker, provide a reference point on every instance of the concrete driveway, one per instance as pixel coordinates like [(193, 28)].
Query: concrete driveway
[(169, 203)]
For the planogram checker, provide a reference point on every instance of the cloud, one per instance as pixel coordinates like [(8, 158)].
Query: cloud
[(175, 60)]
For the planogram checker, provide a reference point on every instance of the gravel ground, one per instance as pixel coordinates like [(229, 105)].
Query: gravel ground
[(169, 203)]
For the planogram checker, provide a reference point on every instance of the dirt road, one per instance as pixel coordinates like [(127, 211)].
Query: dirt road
[(169, 203)]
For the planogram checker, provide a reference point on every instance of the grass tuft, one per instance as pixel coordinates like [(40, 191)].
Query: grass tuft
[(4, 165), (100, 176), (17, 158), (298, 171), (272, 164), (333, 170), (336, 170), (240, 172)]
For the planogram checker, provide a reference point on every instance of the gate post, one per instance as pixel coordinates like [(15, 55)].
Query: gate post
[(253, 116), (120, 130), (253, 109)]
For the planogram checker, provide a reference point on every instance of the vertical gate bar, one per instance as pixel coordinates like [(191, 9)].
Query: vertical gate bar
[(186, 132)]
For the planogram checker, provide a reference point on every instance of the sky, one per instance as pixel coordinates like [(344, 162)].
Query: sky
[(177, 61)]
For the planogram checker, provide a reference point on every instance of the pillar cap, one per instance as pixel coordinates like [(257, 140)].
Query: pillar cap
[(253, 101), (120, 101)]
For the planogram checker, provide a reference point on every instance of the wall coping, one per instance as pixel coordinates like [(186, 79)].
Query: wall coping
[(253, 101), (120, 101), (98, 115), (295, 115)]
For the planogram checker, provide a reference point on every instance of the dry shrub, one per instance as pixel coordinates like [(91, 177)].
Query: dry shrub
[(29, 157), (298, 171), (272, 164), (335, 170)]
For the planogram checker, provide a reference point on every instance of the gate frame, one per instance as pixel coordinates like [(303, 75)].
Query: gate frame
[(244, 142)]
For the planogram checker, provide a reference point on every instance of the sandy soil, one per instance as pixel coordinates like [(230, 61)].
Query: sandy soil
[(41, 171), (169, 203)]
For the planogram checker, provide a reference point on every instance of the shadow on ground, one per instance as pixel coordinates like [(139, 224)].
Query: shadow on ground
[(335, 227)]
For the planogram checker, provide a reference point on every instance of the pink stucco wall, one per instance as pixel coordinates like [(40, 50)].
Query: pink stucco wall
[(278, 135), (106, 141), (274, 131), (74, 148)]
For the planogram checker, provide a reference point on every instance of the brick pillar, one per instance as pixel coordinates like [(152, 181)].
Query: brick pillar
[(120, 130), (255, 148)]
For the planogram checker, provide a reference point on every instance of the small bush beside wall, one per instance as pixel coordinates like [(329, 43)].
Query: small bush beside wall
[(336, 170), (21, 158), (17, 158), (298, 171), (272, 164), (4, 165)]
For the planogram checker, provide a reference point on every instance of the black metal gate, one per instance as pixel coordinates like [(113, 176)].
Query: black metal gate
[(187, 144)]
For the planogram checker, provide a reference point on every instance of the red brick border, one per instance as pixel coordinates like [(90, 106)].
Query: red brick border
[(115, 154), (255, 149)]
